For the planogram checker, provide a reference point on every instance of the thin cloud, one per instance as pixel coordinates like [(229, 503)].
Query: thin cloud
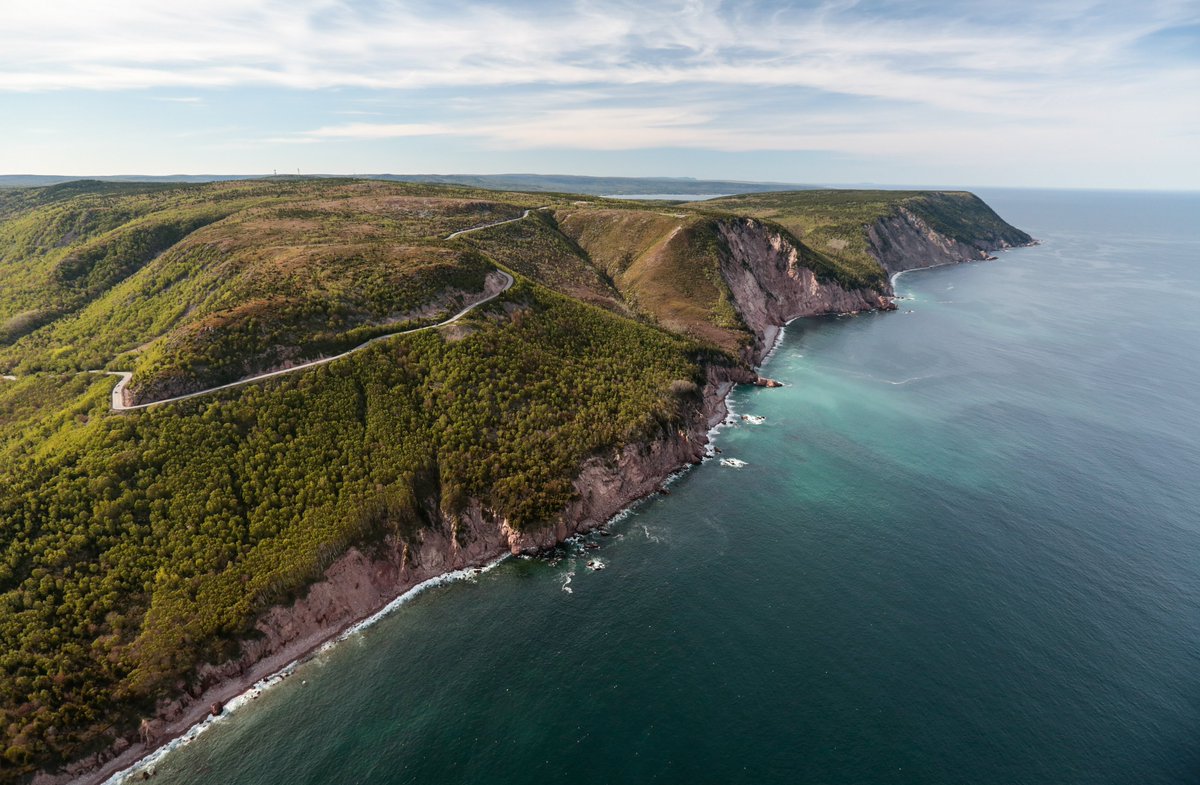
[(311, 44), (378, 131), (1075, 77)]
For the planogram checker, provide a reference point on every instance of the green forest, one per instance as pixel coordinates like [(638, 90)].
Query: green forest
[(136, 546)]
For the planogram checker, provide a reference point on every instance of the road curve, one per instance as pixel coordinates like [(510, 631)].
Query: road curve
[(461, 232), (118, 393)]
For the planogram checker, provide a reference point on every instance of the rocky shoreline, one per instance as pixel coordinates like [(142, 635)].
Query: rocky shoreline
[(770, 288), (358, 585)]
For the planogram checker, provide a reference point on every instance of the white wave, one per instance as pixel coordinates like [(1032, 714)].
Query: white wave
[(440, 580), (651, 537), (620, 516), (228, 709), (734, 463), (231, 706), (774, 346), (753, 419), (710, 449)]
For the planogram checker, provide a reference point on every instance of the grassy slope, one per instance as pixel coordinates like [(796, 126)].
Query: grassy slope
[(666, 263), (647, 261), (133, 547)]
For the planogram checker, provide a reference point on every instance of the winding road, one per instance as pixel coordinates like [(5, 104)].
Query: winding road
[(118, 393), (506, 282)]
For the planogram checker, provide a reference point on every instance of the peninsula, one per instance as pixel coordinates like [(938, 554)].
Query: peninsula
[(328, 391)]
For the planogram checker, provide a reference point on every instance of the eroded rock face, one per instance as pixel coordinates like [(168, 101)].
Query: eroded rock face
[(358, 584), (771, 287), (905, 241)]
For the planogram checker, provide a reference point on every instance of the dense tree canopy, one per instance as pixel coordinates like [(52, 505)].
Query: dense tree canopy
[(135, 546)]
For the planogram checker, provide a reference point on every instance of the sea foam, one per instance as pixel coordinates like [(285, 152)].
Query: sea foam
[(233, 705)]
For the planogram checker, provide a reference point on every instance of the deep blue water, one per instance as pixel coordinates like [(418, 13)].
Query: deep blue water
[(965, 548)]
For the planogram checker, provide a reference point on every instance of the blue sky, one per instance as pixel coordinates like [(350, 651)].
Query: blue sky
[(1075, 93)]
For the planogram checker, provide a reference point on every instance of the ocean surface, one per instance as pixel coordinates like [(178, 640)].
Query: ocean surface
[(964, 548)]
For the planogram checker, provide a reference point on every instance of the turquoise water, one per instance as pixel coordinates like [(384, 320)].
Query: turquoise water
[(965, 548)]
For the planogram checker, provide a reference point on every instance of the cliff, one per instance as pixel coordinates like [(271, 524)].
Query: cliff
[(771, 287), (361, 582), (903, 240)]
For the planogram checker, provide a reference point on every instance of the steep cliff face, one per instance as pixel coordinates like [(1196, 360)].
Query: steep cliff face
[(358, 584), (607, 484), (771, 287), (361, 582), (904, 240)]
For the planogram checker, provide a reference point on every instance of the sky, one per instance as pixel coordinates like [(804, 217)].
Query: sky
[(1044, 93)]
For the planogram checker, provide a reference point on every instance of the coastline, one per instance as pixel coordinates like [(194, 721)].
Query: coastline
[(641, 470), (245, 690), (235, 692), (989, 258)]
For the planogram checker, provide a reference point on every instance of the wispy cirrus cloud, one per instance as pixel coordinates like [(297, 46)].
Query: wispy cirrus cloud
[(1087, 78), (378, 130), (314, 44)]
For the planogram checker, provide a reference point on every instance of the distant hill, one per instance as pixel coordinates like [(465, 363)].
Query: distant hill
[(41, 180), (596, 186), (559, 183)]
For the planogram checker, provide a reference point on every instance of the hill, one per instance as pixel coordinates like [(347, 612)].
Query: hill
[(150, 560), (576, 184)]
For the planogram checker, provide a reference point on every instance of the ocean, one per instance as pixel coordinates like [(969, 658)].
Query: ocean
[(964, 548)]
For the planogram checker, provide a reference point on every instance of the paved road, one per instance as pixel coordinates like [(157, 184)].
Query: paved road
[(118, 393), (461, 232)]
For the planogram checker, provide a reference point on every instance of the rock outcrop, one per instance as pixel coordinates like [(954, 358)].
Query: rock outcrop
[(903, 241), (771, 287)]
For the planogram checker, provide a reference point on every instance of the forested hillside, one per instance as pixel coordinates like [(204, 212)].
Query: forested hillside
[(194, 286)]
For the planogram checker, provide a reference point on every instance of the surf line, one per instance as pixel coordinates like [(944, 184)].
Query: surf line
[(251, 693)]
